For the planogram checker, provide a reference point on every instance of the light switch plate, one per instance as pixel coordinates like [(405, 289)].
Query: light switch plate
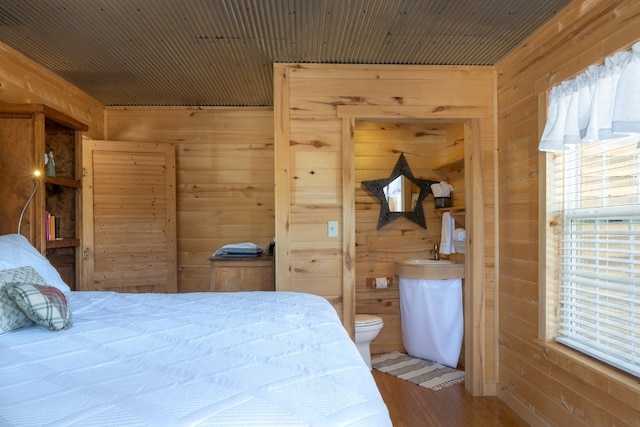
[(332, 229)]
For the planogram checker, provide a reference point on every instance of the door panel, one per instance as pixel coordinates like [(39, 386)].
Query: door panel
[(129, 207)]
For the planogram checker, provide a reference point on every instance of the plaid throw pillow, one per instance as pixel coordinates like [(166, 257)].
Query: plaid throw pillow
[(45, 305), (11, 316)]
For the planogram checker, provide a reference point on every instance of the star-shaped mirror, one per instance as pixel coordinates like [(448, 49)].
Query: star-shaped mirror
[(400, 195)]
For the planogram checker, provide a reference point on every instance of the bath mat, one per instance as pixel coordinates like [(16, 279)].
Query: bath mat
[(425, 373)]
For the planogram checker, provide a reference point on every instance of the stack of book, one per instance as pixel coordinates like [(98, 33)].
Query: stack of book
[(239, 250), (51, 226)]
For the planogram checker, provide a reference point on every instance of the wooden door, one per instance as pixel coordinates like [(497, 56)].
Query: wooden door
[(129, 216)]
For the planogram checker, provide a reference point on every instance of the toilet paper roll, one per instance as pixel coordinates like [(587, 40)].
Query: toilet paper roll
[(459, 234), (381, 282)]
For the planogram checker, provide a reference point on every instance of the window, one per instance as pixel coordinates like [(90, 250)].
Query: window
[(593, 198)]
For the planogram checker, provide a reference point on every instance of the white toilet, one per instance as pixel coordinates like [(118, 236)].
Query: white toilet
[(367, 328)]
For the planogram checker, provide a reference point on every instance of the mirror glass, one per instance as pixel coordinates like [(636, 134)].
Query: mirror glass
[(400, 195)]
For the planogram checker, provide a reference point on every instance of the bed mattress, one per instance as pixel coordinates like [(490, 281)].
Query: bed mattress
[(215, 359)]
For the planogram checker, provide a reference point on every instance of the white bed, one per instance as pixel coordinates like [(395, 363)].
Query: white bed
[(246, 358)]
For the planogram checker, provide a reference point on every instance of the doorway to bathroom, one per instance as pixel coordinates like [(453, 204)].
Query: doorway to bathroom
[(434, 149), (434, 152)]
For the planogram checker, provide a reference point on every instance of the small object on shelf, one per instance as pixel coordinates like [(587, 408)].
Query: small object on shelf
[(49, 164), (271, 249), (442, 194), (51, 226)]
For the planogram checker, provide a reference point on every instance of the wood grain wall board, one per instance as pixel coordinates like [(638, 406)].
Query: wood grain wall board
[(225, 176), (221, 191), (24, 81), (327, 287), (233, 204), (358, 85), (17, 163), (544, 385), (254, 158), (569, 403), (304, 250), (524, 289), (230, 176), (309, 94), (562, 49), (316, 267), (219, 215), (312, 108)]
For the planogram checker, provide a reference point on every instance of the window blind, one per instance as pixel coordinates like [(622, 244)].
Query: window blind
[(597, 197)]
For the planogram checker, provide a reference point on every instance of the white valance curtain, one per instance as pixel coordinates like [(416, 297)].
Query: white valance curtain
[(601, 103)]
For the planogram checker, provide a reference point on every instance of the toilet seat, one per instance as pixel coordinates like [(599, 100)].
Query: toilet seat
[(367, 320)]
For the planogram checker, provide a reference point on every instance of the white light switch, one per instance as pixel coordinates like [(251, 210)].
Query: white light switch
[(332, 229)]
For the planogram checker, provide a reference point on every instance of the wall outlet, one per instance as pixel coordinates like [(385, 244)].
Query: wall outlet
[(332, 229)]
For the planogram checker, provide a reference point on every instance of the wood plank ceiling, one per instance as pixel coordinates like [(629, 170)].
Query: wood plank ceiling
[(221, 52)]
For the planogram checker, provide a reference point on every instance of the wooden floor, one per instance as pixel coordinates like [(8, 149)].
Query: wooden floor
[(411, 405)]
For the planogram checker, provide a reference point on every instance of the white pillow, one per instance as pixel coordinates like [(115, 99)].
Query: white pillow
[(16, 251)]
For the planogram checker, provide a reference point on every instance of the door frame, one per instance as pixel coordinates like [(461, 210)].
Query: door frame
[(474, 276)]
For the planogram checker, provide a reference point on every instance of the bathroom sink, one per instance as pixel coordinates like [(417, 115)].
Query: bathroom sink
[(429, 269)]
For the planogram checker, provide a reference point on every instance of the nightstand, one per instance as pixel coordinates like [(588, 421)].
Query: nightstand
[(242, 274)]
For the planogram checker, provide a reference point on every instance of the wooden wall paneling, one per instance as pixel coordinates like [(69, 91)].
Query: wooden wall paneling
[(225, 177), (475, 281), (282, 129), (349, 224), (546, 383), (44, 87), (313, 94), (316, 184), (17, 162)]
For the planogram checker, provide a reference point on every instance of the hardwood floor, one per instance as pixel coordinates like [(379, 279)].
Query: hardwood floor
[(411, 405)]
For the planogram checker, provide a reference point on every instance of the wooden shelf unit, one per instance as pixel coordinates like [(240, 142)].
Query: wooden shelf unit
[(27, 132), (457, 212)]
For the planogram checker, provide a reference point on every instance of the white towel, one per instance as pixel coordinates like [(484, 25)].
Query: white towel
[(459, 234), (446, 238)]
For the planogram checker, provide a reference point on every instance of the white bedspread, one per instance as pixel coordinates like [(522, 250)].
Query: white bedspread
[(219, 359)]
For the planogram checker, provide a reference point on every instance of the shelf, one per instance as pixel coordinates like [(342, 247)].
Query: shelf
[(33, 130), (457, 212), (62, 243), (64, 182), (454, 210)]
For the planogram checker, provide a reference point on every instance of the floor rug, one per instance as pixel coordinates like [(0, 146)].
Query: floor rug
[(425, 373)]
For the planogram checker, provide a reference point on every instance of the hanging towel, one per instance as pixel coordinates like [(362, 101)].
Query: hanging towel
[(459, 234), (446, 238)]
